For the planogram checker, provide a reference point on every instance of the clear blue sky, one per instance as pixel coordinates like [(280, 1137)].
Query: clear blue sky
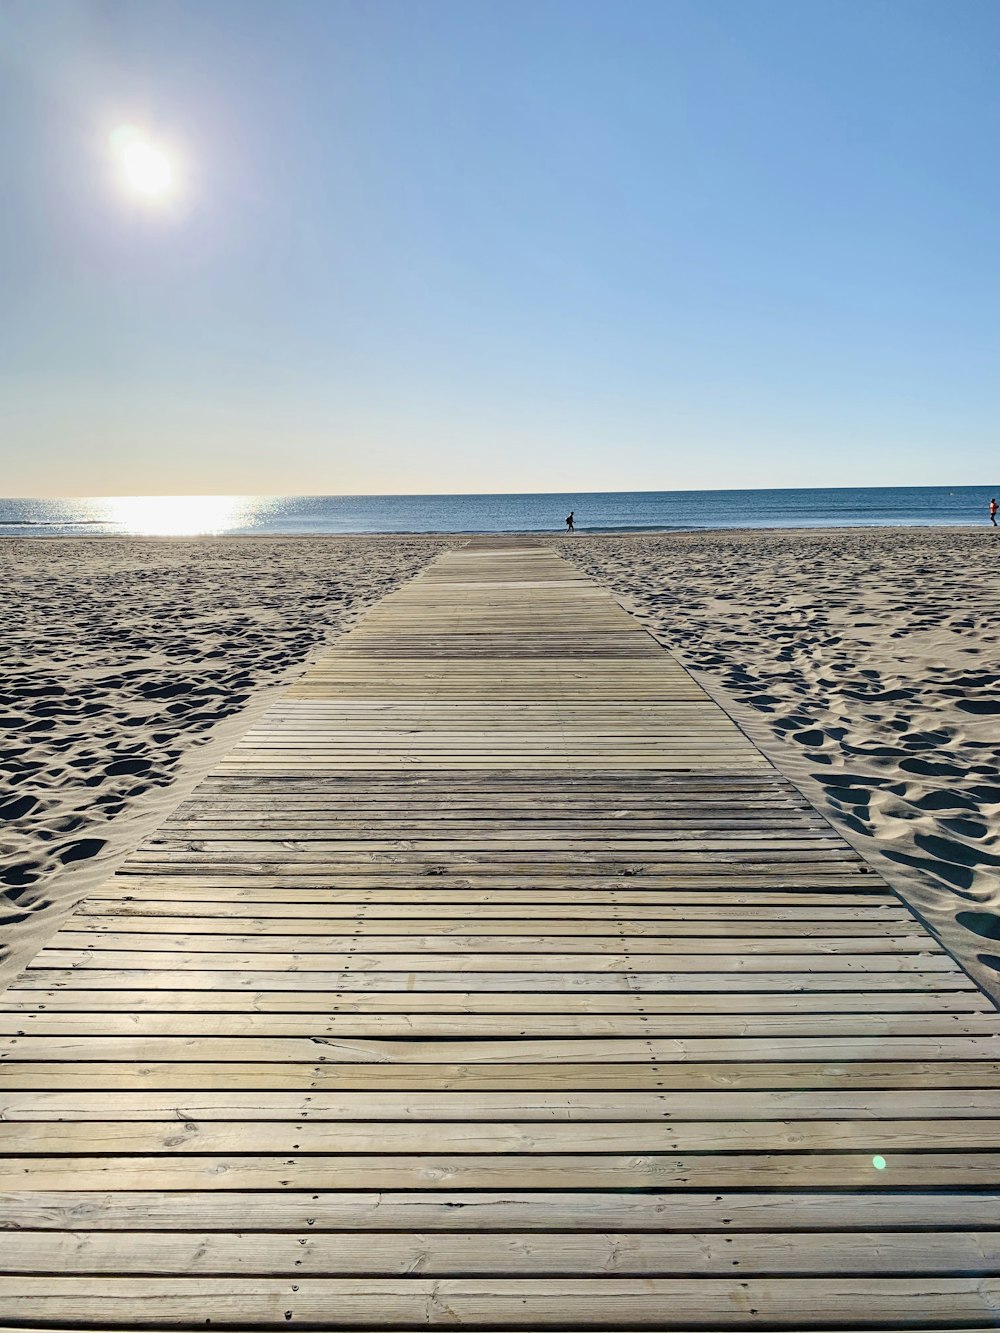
[(466, 245)]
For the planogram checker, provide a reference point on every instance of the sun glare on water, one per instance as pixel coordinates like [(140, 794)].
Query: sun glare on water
[(145, 169), (175, 515)]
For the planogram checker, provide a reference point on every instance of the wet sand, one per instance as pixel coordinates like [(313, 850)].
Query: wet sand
[(866, 664), (128, 665)]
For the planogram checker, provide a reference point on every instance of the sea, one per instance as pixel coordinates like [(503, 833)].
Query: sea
[(594, 511)]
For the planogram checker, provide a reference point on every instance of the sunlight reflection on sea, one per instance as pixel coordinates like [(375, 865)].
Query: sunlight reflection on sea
[(192, 515)]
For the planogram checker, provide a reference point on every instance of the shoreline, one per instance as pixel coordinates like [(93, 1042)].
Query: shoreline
[(460, 533)]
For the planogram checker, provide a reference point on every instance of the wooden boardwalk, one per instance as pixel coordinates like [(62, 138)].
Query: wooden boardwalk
[(496, 979)]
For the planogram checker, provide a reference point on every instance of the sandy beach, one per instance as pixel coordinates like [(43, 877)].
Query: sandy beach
[(128, 663), (865, 663)]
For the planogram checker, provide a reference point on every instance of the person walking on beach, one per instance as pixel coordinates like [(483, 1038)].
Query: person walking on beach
[(569, 522), (993, 511)]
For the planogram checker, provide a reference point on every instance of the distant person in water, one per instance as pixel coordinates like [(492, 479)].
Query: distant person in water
[(993, 512), (569, 522)]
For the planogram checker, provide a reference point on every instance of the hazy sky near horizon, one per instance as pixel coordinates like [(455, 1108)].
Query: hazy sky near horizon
[(500, 245)]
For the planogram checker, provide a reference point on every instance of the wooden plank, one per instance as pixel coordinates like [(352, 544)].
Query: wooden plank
[(521, 1025), (474, 1171), (554, 1076), (820, 891), (187, 956), (136, 994), (554, 1254), (834, 882), (608, 1302), (585, 918), (841, 1103), (673, 1212), (889, 934), (890, 951), (220, 1138), (184, 1327), (527, 1050), (280, 973)]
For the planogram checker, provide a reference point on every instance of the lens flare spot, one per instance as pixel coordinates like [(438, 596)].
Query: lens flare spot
[(878, 1163), (144, 167)]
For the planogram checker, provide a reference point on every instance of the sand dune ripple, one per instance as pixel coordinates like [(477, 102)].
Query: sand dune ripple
[(867, 664)]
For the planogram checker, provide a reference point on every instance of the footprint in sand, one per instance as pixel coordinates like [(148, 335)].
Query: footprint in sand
[(129, 766), (81, 850), (927, 768), (979, 707), (811, 738), (942, 798), (986, 924), (19, 807)]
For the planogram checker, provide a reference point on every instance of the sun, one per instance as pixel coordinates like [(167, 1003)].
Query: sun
[(145, 168)]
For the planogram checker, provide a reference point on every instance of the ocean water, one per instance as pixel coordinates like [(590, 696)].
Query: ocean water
[(599, 511)]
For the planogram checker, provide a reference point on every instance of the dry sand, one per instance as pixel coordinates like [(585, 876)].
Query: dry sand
[(127, 663), (866, 664)]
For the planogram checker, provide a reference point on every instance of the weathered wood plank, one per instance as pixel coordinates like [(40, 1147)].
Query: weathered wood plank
[(487, 1050), (553, 1254), (187, 956), (219, 1138), (152, 971), (520, 1025), (672, 1211), (136, 995), (384, 1170), (609, 1302), (554, 1076), (864, 1105)]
